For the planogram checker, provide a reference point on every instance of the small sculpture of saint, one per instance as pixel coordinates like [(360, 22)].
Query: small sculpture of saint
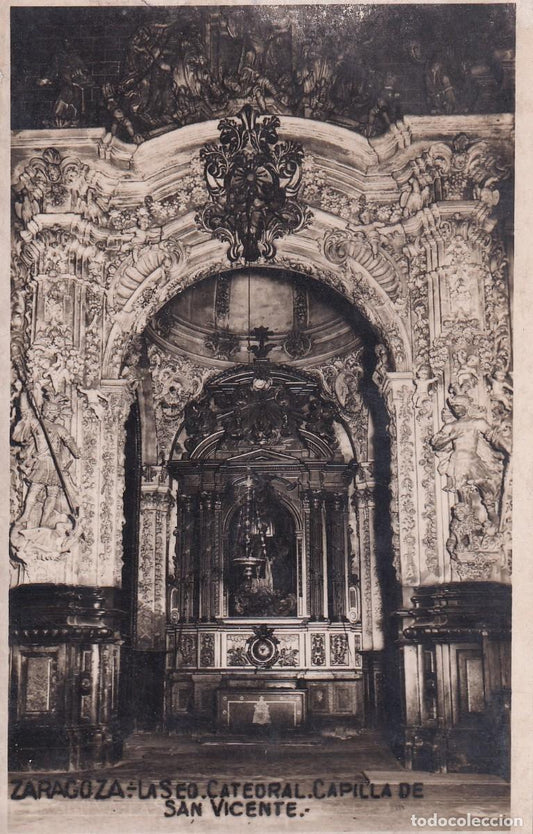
[(261, 712)]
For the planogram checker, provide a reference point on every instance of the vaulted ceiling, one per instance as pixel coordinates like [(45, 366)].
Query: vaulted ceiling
[(210, 321)]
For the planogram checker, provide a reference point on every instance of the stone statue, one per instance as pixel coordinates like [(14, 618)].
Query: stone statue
[(44, 543), (47, 458), (423, 383), (474, 468)]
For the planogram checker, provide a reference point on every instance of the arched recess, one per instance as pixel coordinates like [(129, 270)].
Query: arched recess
[(314, 486), (339, 260), (277, 573), (379, 370)]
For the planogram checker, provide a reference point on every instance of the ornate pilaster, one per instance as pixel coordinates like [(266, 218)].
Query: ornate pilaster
[(425, 311), (471, 441), (151, 589), (404, 463), (217, 574), (371, 602)]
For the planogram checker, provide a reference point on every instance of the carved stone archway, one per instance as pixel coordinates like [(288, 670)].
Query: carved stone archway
[(422, 269)]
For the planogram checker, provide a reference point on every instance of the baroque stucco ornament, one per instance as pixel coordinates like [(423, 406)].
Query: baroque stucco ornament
[(93, 266), (253, 182)]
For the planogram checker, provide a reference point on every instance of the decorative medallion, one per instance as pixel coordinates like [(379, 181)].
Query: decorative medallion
[(297, 344), (253, 182), (262, 649)]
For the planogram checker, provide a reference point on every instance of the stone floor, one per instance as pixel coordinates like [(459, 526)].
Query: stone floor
[(332, 786)]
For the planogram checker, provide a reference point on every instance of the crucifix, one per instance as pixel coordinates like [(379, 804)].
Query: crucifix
[(261, 334)]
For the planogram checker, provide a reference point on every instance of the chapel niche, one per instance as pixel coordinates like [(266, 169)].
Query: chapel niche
[(262, 556), (266, 394)]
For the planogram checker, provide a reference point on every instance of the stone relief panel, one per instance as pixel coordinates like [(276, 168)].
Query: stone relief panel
[(236, 650), (67, 429), (177, 68), (470, 354), (176, 381)]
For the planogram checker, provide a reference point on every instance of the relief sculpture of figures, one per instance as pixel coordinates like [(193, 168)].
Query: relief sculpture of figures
[(70, 74)]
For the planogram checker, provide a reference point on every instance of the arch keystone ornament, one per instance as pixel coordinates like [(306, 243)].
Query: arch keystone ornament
[(253, 182)]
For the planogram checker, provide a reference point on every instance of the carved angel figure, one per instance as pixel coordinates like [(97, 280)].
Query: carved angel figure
[(423, 383), (414, 198), (467, 374), (500, 389), (96, 401)]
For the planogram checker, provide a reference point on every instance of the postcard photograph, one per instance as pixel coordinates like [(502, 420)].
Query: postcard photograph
[(261, 418)]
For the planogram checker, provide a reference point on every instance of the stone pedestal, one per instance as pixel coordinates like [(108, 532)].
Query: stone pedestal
[(457, 672), (65, 677)]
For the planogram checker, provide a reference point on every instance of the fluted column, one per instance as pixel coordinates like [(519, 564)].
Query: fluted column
[(186, 542), (206, 555), (217, 586), (336, 523)]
